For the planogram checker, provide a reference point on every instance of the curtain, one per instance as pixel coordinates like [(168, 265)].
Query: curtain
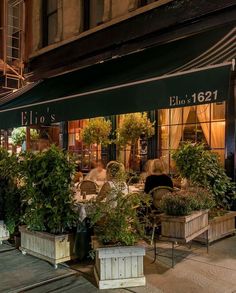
[(176, 131), (217, 139)]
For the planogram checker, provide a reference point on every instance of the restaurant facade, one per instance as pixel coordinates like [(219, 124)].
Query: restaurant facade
[(177, 67)]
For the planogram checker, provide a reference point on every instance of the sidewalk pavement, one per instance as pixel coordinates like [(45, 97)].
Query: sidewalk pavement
[(195, 272)]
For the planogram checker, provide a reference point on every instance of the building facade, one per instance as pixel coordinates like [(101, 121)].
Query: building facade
[(131, 40)]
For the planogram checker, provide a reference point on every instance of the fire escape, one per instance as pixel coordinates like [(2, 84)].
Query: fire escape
[(11, 46)]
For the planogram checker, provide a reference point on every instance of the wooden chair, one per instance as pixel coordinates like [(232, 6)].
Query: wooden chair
[(104, 191), (88, 187), (157, 193)]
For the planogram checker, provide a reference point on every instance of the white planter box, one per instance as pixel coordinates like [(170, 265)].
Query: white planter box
[(119, 267), (4, 233), (184, 228), (52, 248), (220, 227)]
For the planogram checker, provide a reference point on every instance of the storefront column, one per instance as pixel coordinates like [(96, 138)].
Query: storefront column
[(230, 149), (63, 136), (152, 142)]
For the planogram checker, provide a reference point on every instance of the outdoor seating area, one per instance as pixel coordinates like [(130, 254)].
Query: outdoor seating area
[(113, 217)]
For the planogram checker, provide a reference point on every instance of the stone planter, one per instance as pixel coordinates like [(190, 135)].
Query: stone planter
[(52, 248), (220, 227), (4, 233), (119, 267), (184, 228)]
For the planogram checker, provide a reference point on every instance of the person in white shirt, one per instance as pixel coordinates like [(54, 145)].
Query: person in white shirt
[(98, 174)]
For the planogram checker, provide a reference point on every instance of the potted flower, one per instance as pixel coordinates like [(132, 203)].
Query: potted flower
[(133, 127), (97, 131), (10, 196), (185, 214), (48, 217), (118, 228), (201, 166)]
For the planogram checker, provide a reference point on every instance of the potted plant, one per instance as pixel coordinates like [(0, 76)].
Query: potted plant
[(201, 166), (133, 127), (97, 131), (118, 228), (10, 195), (185, 214), (48, 217), (18, 135)]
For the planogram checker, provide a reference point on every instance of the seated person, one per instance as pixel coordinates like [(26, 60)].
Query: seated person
[(157, 177), (98, 174), (115, 171), (147, 170), (78, 177)]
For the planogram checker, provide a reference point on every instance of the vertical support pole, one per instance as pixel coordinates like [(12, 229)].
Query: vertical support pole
[(173, 254), (152, 142), (112, 147), (207, 244), (230, 134), (63, 136)]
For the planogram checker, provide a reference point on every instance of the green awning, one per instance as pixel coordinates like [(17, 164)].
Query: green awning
[(132, 83)]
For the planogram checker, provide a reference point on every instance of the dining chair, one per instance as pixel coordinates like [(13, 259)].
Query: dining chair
[(88, 187), (157, 194)]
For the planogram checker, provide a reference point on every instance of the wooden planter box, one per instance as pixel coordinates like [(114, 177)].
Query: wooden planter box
[(52, 248), (220, 227), (184, 228), (4, 233), (119, 267)]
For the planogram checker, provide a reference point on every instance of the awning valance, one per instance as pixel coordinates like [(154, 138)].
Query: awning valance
[(137, 82)]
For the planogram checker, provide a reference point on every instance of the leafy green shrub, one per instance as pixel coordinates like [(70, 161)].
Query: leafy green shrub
[(133, 127), (10, 193), (48, 191), (120, 220), (202, 167), (19, 135), (183, 202), (97, 131)]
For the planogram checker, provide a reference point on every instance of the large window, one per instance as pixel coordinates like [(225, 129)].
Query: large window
[(86, 155), (204, 123), (50, 21), (93, 13)]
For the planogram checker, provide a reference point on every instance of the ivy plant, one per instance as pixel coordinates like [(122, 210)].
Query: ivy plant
[(202, 166), (48, 191)]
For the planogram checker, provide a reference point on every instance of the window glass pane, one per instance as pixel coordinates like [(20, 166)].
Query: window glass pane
[(176, 133), (164, 134), (176, 116), (163, 116), (218, 111), (99, 11), (218, 134), (52, 28), (51, 6), (203, 113), (96, 12), (221, 154)]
